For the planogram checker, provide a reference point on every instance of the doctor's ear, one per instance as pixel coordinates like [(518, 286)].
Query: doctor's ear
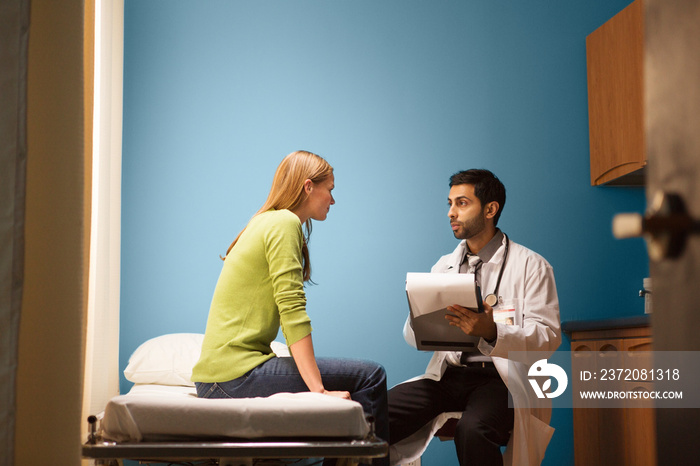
[(492, 209)]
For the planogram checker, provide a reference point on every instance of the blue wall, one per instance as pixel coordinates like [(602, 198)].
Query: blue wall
[(397, 95)]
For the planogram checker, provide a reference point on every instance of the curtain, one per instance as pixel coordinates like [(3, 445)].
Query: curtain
[(51, 343), (102, 339), (52, 300), (14, 36)]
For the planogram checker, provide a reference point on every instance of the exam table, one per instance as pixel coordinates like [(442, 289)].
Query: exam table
[(162, 420)]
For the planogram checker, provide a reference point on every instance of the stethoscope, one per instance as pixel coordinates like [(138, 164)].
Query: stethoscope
[(492, 299)]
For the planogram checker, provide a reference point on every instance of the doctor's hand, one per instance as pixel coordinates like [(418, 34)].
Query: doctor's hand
[(478, 324)]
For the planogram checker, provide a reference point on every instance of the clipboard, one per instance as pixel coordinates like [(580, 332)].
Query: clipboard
[(428, 296)]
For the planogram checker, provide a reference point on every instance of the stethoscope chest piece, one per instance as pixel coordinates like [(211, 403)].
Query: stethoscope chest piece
[(491, 300)]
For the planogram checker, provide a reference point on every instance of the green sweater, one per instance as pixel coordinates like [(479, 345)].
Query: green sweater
[(260, 289)]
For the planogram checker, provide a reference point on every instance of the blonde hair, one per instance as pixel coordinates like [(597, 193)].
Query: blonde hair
[(287, 192)]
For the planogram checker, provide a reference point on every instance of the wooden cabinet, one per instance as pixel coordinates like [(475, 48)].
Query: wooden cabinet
[(613, 436), (615, 63)]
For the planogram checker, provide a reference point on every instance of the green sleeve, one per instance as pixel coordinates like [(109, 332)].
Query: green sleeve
[(283, 251)]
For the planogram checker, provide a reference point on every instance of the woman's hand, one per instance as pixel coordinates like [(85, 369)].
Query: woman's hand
[(343, 395), (303, 354)]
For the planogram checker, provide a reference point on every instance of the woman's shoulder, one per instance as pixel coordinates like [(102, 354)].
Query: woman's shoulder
[(282, 215), (283, 219)]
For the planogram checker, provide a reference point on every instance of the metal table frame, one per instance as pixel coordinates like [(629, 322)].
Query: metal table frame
[(233, 452)]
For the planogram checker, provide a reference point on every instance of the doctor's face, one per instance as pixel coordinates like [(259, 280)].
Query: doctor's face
[(467, 215)]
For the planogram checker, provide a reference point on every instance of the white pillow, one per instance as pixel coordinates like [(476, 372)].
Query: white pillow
[(169, 359), (280, 349), (165, 360)]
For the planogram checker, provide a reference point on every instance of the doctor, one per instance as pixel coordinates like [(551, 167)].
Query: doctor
[(492, 395)]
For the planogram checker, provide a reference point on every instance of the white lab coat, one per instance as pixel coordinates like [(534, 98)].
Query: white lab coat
[(527, 280)]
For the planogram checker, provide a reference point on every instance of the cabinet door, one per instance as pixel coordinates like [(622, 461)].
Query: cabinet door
[(640, 428), (615, 63), (638, 356), (583, 356), (611, 421), (614, 436), (640, 417)]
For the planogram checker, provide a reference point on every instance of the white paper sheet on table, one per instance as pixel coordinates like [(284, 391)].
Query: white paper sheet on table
[(160, 413), (430, 292)]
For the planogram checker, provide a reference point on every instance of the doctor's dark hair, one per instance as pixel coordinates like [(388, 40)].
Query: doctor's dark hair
[(487, 187)]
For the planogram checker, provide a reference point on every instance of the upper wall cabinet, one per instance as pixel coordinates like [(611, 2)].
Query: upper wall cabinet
[(615, 56)]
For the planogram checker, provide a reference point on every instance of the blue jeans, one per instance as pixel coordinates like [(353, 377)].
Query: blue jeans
[(365, 380)]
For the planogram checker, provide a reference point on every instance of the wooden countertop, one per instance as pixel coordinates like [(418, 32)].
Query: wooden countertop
[(621, 327)]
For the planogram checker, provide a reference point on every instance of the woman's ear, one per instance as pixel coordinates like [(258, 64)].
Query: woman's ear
[(308, 186)]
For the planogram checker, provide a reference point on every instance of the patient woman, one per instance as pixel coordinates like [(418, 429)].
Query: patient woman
[(261, 288)]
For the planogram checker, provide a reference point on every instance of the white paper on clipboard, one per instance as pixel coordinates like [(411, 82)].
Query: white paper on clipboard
[(431, 292)]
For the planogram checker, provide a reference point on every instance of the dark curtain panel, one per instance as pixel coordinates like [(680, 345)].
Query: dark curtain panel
[(14, 35)]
